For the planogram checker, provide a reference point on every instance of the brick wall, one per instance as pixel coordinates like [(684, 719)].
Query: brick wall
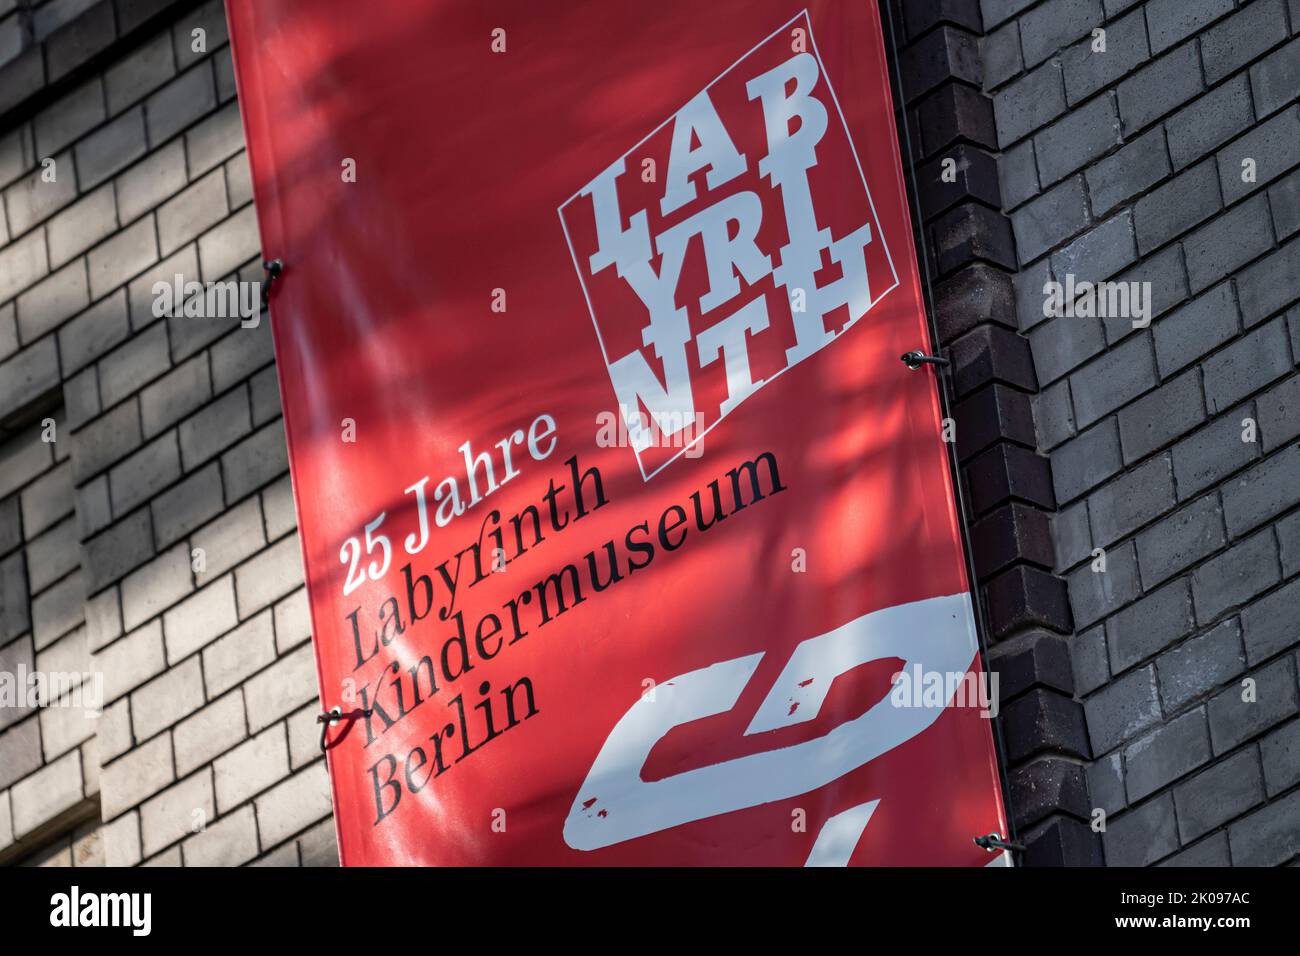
[(153, 539), (968, 252), (1128, 164)]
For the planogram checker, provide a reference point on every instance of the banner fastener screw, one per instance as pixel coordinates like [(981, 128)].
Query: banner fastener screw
[(333, 716), (916, 358), (994, 841), (273, 268)]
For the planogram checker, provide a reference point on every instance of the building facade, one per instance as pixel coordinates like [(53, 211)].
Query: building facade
[(1131, 487), (1130, 481), (147, 524)]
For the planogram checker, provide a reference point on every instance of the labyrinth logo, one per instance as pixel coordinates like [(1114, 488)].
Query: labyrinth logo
[(724, 248)]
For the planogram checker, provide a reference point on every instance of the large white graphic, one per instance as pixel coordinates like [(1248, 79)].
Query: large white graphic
[(615, 804), (720, 215)]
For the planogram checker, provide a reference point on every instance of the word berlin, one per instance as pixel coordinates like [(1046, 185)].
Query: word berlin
[(388, 701)]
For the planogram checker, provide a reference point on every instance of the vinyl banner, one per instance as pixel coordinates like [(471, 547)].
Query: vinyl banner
[(629, 538)]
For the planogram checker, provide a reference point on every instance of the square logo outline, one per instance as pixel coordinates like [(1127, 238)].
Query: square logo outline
[(875, 222)]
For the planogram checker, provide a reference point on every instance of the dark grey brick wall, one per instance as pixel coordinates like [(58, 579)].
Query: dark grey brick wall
[(969, 249), (1172, 448)]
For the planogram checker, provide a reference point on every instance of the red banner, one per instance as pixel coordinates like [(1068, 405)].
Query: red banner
[(629, 538)]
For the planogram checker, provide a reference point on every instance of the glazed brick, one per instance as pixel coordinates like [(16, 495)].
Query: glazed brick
[(1064, 343), (1186, 334), (1026, 596), (1138, 166), (1226, 790), (1149, 625), (1122, 709), (1234, 42), (1007, 471), (977, 293), (1171, 21), (1224, 244), (1256, 359), (1279, 414), (1181, 539), (1160, 416), (1267, 836), (1050, 26), (1164, 85), (1209, 121), (1119, 375), (1028, 103), (1200, 665), (956, 112), (1275, 79), (1177, 206), (1086, 461), (1087, 71), (1076, 139), (1072, 536), (942, 54), (1171, 751), (1000, 51), (972, 231), (1131, 500), (1097, 593), (1049, 220), (991, 354), (1048, 786), (1013, 533), (1042, 720), (1234, 720), (1270, 284), (1209, 455), (1268, 625), (1100, 252), (1274, 147), (1235, 576), (1280, 755)]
